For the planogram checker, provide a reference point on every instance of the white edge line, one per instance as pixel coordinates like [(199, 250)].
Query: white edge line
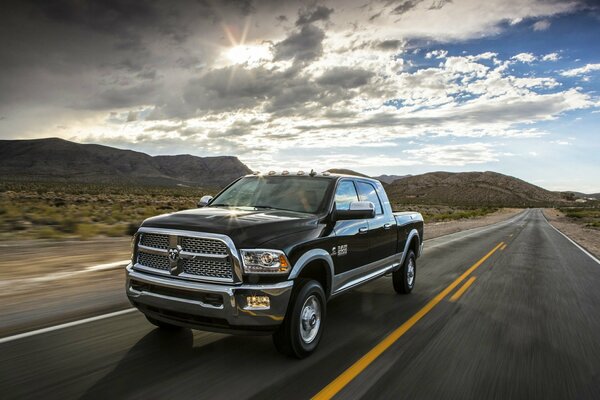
[(590, 255), (65, 325)]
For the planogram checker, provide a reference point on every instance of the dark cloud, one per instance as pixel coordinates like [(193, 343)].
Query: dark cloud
[(319, 13), (405, 6), (375, 16), (120, 97), (303, 45), (439, 4), (388, 44), (132, 116), (345, 77)]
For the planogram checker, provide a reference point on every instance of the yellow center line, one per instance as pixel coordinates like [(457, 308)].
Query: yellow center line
[(348, 375), (503, 247), (462, 289)]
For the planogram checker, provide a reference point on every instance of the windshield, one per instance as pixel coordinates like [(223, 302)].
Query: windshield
[(292, 193)]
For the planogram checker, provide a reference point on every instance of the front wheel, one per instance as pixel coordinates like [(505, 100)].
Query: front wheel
[(300, 333), (404, 278)]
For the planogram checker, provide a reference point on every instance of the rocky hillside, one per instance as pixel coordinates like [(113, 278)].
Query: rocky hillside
[(470, 188), (61, 160), (390, 178)]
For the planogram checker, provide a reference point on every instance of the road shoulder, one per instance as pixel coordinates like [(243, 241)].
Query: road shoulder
[(588, 238)]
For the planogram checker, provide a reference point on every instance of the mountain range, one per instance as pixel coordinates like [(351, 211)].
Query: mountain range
[(471, 188), (59, 160)]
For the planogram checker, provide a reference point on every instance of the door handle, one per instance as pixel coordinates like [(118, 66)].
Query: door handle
[(387, 226), (363, 229)]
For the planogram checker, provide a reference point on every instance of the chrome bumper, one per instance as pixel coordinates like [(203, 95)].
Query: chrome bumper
[(207, 306)]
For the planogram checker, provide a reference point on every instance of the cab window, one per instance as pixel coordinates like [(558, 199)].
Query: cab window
[(344, 195), (367, 192)]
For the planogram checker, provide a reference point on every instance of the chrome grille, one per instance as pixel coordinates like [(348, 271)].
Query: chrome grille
[(155, 240), (214, 269), (201, 258), (203, 246), (153, 261)]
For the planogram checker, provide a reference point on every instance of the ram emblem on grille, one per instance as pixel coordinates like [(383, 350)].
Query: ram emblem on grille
[(174, 264)]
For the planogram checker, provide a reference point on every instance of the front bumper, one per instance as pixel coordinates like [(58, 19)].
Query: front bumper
[(207, 306)]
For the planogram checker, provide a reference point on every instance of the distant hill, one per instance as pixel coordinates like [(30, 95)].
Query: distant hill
[(470, 188), (390, 178), (343, 171), (56, 159), (580, 195)]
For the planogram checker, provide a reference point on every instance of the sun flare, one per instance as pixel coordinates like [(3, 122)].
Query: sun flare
[(248, 54)]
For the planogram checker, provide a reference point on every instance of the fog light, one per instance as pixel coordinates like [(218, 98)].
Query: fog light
[(257, 302)]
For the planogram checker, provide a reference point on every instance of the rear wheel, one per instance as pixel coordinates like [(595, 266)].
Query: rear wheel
[(300, 333), (163, 325), (404, 278)]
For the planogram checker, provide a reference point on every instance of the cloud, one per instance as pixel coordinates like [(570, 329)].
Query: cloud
[(389, 44), (404, 6), (436, 54), (525, 58), (454, 155), (581, 71), (439, 4), (319, 13), (303, 45), (551, 57), (344, 77), (541, 25)]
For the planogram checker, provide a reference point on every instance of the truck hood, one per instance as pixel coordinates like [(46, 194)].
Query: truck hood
[(246, 228)]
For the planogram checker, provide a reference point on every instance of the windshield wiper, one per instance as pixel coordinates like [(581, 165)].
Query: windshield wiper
[(264, 207)]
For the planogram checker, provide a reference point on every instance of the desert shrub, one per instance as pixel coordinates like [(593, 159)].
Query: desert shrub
[(86, 231), (47, 232)]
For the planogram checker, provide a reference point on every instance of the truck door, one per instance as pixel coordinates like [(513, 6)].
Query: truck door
[(351, 248), (382, 229)]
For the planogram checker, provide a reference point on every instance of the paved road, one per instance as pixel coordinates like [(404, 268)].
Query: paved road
[(528, 326)]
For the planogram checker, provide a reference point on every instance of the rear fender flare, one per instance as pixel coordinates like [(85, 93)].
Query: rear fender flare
[(413, 233)]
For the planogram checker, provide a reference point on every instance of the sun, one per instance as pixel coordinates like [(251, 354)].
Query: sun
[(248, 54)]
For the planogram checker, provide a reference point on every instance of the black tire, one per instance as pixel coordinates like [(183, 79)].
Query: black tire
[(404, 278), (288, 339), (163, 325)]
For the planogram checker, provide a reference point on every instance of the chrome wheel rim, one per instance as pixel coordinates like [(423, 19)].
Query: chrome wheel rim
[(410, 273), (310, 319)]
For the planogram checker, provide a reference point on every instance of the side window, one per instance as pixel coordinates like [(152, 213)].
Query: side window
[(367, 192), (344, 195)]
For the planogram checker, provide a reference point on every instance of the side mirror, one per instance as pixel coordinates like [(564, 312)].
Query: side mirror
[(357, 210), (204, 201)]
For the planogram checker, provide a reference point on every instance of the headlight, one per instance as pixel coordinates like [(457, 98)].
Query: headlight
[(264, 261)]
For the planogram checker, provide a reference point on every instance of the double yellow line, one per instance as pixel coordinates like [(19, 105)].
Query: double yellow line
[(348, 375)]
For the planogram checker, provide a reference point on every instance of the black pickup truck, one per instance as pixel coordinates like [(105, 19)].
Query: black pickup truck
[(267, 253)]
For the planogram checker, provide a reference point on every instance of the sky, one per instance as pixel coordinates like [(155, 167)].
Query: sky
[(377, 86)]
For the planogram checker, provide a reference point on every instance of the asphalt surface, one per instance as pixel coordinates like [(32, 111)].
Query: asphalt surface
[(527, 327)]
